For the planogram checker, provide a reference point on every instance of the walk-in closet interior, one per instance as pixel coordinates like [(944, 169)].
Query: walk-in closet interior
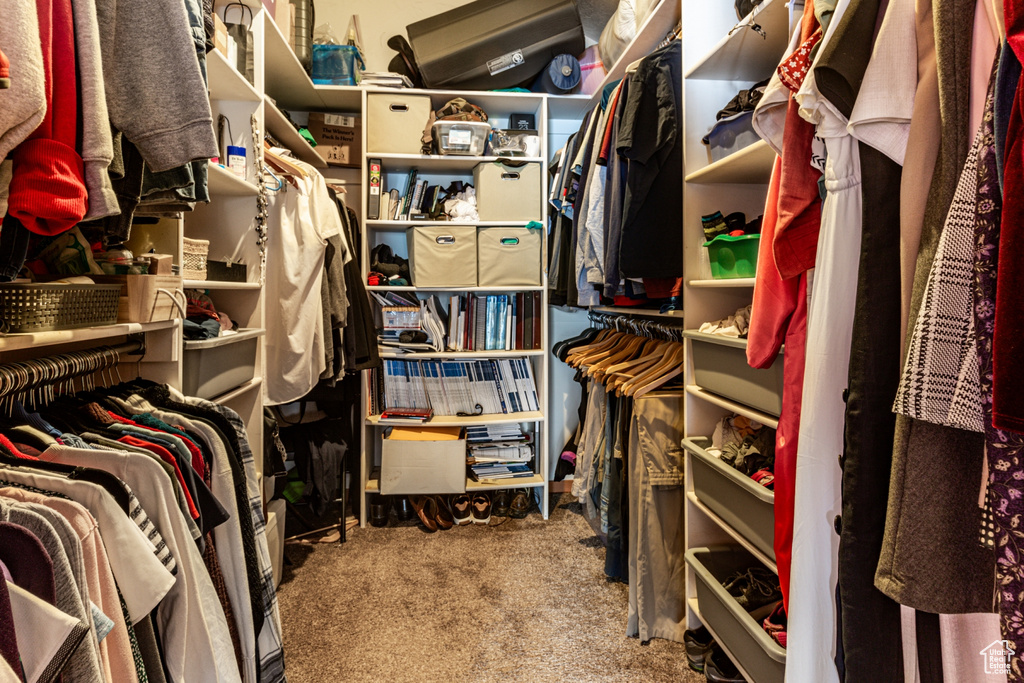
[(529, 340)]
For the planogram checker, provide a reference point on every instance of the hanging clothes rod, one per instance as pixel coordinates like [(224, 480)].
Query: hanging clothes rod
[(45, 372), (638, 326)]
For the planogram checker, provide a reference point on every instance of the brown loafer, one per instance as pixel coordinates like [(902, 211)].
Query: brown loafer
[(445, 519), (522, 503), (426, 508)]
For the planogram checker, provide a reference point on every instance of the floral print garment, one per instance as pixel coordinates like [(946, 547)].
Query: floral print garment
[(1005, 450)]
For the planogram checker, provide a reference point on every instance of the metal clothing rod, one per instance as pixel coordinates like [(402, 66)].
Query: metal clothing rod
[(48, 372), (640, 327)]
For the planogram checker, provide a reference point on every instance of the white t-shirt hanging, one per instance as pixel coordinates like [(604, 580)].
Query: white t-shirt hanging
[(302, 218)]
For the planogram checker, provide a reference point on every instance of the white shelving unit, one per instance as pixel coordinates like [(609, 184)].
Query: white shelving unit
[(394, 168), (720, 57)]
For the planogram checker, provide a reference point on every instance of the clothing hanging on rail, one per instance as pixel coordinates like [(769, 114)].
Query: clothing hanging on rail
[(629, 469), (146, 506), (615, 191)]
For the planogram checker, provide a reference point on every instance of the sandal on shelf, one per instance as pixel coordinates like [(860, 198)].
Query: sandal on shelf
[(426, 508), (775, 624)]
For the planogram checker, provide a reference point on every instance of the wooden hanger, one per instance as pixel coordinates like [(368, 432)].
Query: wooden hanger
[(671, 365)]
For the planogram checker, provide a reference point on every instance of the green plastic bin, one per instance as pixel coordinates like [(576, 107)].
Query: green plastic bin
[(733, 257)]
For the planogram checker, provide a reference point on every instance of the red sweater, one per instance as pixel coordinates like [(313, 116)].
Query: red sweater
[(47, 190)]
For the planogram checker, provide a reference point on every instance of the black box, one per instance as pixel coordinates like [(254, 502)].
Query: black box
[(491, 44), (221, 271)]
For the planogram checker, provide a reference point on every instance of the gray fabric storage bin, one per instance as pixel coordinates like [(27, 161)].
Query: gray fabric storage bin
[(508, 192), (395, 122), (720, 366), (211, 367), (745, 505), (442, 256), (760, 656), (508, 257)]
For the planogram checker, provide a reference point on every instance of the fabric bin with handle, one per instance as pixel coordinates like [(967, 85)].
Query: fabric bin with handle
[(745, 505), (211, 367), (720, 366), (508, 191), (741, 633), (508, 256), (442, 256), (395, 122), (408, 467), (147, 298)]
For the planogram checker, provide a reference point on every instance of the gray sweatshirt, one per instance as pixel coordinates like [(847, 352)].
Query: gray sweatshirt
[(97, 143), (155, 91), (23, 105)]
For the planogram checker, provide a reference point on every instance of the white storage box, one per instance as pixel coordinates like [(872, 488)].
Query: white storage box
[(410, 467), (211, 367), (395, 122), (442, 256), (508, 257), (508, 191), (467, 138)]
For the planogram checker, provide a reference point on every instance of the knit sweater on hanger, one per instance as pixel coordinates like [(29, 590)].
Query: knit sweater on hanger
[(23, 104)]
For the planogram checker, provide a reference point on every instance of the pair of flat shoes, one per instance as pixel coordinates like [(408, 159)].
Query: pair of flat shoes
[(434, 512)]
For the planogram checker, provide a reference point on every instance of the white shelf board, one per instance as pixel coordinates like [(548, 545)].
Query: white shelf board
[(737, 536), (568, 106), (238, 391), (536, 481), (462, 421), (738, 408), (225, 81), (219, 284), (286, 81), (694, 606), (743, 54), (241, 335), (280, 128), (12, 342), (731, 282), (340, 98), (225, 183), (460, 355), (428, 163), (375, 288), (751, 165), (638, 312), (656, 27), (401, 226)]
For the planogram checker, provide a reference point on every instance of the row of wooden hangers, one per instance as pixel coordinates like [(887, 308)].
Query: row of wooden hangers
[(628, 364)]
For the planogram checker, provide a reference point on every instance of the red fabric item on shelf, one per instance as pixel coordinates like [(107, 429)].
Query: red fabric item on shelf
[(796, 236), (47, 192), (779, 314), (1008, 339), (5, 71), (663, 287)]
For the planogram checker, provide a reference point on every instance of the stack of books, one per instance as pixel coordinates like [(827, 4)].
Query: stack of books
[(406, 414), (452, 387), (416, 202), (498, 452), (495, 322), (385, 79)]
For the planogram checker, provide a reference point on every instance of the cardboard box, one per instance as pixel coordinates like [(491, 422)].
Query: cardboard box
[(339, 138), (410, 467), (283, 18), (271, 6), (220, 35)]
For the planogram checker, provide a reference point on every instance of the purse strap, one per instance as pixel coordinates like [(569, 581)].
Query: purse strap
[(241, 13)]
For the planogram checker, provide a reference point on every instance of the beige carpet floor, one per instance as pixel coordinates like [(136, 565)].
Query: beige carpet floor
[(524, 601)]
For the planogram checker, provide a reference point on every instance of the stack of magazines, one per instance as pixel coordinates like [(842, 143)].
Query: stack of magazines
[(498, 452)]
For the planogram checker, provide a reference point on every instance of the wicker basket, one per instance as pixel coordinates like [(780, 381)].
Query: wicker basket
[(194, 257), (38, 307)]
